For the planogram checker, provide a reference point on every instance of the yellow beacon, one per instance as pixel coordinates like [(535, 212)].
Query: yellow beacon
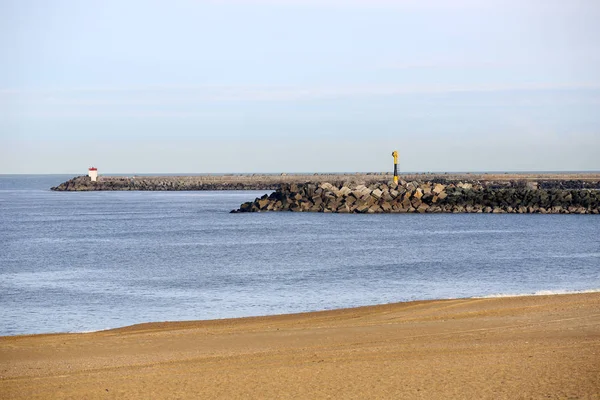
[(395, 155)]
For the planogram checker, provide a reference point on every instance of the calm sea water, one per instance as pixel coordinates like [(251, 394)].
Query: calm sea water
[(90, 261)]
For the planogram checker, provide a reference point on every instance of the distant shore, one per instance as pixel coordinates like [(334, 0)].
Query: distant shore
[(274, 181), (494, 348)]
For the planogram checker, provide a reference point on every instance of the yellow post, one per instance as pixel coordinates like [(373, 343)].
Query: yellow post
[(395, 155)]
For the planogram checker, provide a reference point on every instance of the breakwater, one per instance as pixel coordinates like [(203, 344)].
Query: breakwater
[(273, 181), (205, 182), (429, 197)]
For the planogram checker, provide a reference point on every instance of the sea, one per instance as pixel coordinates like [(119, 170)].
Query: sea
[(89, 261)]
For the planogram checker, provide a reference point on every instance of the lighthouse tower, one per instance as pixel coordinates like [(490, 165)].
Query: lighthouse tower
[(93, 173)]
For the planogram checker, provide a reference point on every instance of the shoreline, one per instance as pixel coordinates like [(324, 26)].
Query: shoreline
[(502, 347), (305, 313)]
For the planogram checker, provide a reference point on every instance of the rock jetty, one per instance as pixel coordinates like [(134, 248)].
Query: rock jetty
[(205, 182), (168, 183), (273, 181), (430, 197)]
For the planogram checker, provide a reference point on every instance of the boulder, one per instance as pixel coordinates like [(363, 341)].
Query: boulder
[(439, 188), (363, 208), (343, 209), (374, 209), (263, 203), (387, 196), (422, 208), (377, 193), (345, 191)]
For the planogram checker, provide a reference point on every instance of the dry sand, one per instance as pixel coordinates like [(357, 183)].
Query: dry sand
[(520, 347)]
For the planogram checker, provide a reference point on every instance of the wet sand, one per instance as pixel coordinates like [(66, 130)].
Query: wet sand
[(496, 348)]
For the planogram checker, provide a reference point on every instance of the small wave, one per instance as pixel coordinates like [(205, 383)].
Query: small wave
[(463, 232), (91, 331), (538, 293), (578, 255)]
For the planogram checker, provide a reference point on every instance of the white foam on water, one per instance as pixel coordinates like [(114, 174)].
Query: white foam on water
[(538, 293), (91, 331)]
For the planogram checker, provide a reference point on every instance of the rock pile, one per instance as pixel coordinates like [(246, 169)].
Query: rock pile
[(84, 184), (427, 197), (273, 181)]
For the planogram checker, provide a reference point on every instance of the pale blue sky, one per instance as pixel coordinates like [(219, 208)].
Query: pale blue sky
[(298, 85)]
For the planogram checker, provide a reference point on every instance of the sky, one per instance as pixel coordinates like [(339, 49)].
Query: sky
[(250, 86)]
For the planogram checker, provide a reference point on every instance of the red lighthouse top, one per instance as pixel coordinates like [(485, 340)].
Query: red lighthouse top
[(93, 169)]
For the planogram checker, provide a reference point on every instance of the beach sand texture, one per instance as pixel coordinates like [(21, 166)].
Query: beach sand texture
[(492, 348)]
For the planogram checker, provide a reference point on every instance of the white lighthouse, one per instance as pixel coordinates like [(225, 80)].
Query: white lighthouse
[(93, 173)]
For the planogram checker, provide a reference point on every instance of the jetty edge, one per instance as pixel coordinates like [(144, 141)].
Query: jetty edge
[(437, 196), (274, 181)]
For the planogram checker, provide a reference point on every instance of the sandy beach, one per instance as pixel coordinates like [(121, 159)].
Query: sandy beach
[(494, 348)]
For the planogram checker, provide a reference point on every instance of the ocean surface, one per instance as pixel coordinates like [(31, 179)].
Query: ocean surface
[(76, 262)]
